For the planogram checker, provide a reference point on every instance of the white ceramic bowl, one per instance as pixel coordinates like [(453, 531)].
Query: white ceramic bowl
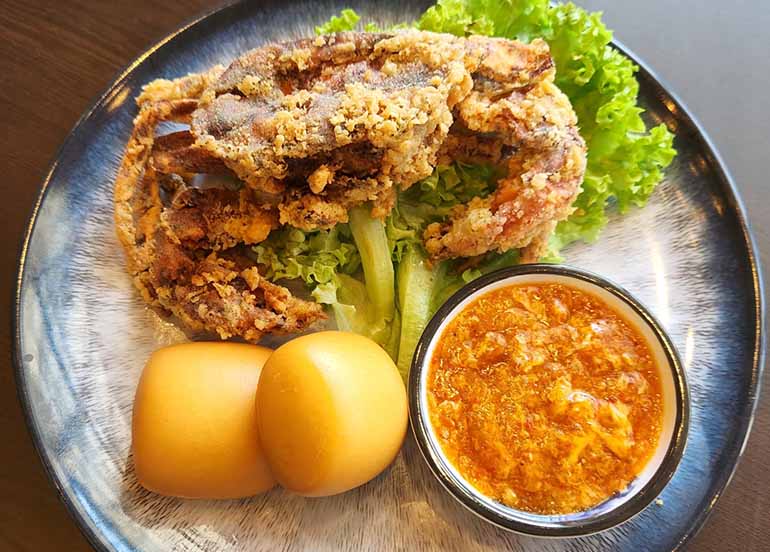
[(617, 508)]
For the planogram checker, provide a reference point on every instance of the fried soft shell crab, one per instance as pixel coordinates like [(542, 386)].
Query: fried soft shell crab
[(317, 126)]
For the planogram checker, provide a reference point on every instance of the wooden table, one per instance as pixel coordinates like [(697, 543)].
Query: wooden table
[(56, 57)]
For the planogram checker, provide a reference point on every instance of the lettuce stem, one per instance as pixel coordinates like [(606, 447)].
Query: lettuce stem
[(372, 243), (415, 290)]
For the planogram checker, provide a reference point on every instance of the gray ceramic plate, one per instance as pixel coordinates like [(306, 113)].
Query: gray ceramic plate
[(83, 335)]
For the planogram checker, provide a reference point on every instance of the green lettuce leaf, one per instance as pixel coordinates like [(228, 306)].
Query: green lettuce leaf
[(506, 18), (345, 21), (317, 258)]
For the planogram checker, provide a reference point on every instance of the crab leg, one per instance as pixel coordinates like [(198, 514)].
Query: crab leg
[(176, 153), (217, 292), (528, 123)]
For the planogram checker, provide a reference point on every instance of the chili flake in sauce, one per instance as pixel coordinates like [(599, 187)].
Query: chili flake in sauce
[(544, 398)]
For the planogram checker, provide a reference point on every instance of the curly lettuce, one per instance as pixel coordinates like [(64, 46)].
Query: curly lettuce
[(625, 160), (345, 21), (316, 258)]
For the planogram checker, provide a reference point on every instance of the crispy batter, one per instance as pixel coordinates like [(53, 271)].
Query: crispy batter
[(216, 218), (315, 100), (189, 87), (172, 249), (317, 126), (175, 153), (529, 123)]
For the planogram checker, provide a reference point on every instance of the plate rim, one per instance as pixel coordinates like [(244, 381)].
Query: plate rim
[(661, 89), (735, 201)]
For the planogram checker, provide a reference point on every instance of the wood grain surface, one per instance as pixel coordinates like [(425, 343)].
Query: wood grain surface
[(55, 58)]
